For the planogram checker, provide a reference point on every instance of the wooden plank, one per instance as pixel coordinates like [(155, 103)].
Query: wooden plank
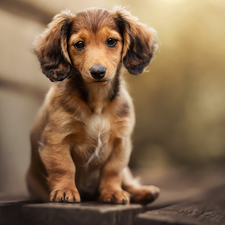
[(165, 210), (82, 214), (21, 211), (206, 209)]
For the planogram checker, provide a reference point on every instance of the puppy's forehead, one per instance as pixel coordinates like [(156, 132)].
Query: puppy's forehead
[(93, 20)]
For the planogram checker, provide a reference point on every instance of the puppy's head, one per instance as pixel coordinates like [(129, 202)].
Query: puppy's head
[(95, 42)]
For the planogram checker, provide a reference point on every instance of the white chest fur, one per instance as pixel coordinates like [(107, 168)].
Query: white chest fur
[(96, 133)]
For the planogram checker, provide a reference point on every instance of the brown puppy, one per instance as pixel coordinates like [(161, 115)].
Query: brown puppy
[(81, 138)]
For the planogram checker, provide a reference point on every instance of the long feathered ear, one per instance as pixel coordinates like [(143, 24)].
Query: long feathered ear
[(140, 42), (51, 47)]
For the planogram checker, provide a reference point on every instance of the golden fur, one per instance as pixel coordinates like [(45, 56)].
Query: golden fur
[(81, 138)]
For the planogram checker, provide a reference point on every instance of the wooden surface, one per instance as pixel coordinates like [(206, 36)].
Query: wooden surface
[(207, 209), (186, 198)]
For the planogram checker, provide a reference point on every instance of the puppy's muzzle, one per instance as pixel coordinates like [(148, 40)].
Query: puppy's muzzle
[(98, 71)]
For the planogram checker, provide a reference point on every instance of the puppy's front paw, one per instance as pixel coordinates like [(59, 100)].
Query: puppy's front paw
[(65, 195), (114, 196), (145, 194)]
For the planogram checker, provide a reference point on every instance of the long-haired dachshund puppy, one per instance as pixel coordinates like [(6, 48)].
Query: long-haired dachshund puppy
[(81, 140)]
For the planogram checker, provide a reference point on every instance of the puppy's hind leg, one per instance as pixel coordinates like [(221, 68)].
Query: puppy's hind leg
[(139, 193)]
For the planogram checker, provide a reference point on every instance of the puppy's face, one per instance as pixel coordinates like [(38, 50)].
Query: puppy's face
[(95, 46), (95, 42)]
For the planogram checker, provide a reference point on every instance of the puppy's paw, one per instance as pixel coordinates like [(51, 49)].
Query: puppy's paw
[(65, 195), (145, 194), (114, 196)]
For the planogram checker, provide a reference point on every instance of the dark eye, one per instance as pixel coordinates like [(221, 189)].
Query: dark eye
[(79, 45), (111, 42)]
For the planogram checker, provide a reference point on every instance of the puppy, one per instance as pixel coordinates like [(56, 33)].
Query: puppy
[(81, 139)]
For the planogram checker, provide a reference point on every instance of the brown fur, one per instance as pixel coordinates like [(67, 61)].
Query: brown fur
[(81, 138)]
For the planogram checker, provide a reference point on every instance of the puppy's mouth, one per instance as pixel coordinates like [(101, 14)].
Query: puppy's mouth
[(100, 81)]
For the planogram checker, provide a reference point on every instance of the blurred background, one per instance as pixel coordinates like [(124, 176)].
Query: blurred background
[(179, 102)]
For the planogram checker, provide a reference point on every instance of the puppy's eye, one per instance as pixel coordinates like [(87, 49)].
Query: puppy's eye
[(111, 42), (79, 45)]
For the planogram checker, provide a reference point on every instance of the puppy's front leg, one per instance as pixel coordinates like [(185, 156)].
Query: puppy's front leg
[(111, 174), (61, 173)]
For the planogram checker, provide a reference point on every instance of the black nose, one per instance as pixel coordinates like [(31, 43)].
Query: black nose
[(98, 71)]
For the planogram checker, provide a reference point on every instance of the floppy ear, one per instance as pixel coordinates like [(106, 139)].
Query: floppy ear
[(51, 47), (139, 41)]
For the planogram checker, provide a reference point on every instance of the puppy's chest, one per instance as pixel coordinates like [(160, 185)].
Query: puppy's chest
[(92, 139)]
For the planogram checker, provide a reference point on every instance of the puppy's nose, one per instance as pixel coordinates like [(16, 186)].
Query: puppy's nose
[(98, 71)]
